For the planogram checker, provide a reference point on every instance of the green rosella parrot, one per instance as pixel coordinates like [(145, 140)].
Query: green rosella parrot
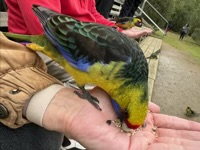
[(96, 54), (128, 22)]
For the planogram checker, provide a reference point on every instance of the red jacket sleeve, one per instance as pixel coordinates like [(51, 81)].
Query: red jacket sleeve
[(21, 18)]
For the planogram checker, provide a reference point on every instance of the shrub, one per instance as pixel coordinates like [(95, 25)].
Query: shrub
[(195, 35)]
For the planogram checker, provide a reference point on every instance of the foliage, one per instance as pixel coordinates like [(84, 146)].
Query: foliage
[(179, 12), (159, 5), (179, 19), (195, 35), (195, 18)]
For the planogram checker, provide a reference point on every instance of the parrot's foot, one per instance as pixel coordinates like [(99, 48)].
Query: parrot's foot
[(86, 95)]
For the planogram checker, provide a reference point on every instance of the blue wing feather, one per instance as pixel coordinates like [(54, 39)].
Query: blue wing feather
[(116, 108), (81, 63), (77, 44)]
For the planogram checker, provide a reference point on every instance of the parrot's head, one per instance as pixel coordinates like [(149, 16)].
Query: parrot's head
[(135, 110), (137, 21), (134, 119)]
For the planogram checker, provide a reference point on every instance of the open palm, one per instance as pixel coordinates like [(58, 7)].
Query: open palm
[(79, 120)]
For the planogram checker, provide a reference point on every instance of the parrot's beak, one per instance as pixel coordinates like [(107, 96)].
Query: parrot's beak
[(139, 24), (127, 127)]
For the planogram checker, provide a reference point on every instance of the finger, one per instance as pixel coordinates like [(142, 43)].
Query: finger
[(142, 139), (172, 122), (163, 146), (143, 136), (190, 135), (178, 141), (154, 108)]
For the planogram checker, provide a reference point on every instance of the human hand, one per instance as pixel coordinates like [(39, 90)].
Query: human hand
[(79, 120), (137, 32)]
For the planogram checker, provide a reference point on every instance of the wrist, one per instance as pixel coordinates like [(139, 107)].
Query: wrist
[(35, 108), (65, 110), (62, 110)]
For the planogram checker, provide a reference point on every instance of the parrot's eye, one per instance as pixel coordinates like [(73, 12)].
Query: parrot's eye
[(126, 115)]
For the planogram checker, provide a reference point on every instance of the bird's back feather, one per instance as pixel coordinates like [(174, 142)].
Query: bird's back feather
[(83, 43)]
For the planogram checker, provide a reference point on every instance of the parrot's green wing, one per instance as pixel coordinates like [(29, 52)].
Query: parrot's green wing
[(82, 43)]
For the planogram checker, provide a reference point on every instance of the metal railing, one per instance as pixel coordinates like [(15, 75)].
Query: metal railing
[(141, 9), (116, 10), (3, 19)]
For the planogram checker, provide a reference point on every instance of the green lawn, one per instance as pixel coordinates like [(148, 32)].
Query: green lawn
[(187, 44)]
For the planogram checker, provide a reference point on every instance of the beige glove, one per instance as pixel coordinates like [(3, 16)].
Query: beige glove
[(22, 74)]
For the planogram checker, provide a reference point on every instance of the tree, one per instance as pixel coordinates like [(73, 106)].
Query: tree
[(179, 12), (163, 7), (194, 18), (195, 35)]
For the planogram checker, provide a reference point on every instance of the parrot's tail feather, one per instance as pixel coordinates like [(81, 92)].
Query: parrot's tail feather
[(43, 13), (18, 37)]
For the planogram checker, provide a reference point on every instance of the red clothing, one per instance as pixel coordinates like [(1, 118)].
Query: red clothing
[(21, 18)]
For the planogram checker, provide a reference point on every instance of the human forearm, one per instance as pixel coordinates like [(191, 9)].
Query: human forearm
[(78, 119), (34, 112)]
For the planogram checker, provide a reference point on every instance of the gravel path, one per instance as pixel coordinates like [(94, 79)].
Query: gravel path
[(178, 83)]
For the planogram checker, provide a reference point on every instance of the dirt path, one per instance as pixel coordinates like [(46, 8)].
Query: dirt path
[(178, 83)]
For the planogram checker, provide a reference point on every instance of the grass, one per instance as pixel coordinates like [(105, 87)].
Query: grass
[(187, 44)]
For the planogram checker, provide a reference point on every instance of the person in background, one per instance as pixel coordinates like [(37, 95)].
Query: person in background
[(184, 31), (168, 27), (104, 7), (129, 7)]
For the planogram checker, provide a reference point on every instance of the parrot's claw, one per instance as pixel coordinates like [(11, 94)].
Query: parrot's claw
[(86, 95)]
